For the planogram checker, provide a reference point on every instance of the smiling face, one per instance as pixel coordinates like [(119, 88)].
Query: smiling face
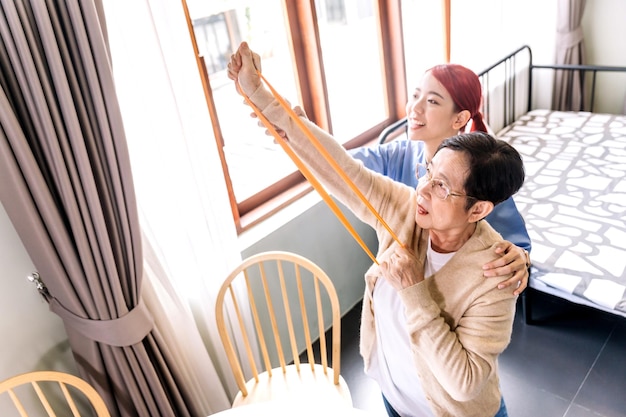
[(449, 224), (431, 112)]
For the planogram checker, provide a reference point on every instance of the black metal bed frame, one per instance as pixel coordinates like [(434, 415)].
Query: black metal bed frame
[(507, 90), (513, 77)]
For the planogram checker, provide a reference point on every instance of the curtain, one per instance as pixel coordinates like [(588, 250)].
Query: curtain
[(68, 188), (183, 203), (569, 85)]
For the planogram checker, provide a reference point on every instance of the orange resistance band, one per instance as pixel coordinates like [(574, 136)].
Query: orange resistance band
[(307, 173)]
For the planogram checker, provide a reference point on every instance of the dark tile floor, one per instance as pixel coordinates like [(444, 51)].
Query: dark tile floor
[(570, 363)]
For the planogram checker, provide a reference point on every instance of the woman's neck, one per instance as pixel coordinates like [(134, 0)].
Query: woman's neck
[(430, 146), (451, 240), (429, 149)]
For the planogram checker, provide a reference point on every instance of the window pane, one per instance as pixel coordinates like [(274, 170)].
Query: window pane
[(350, 42), (254, 160)]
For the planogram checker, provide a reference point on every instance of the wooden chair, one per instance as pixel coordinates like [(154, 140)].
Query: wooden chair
[(57, 394), (288, 298)]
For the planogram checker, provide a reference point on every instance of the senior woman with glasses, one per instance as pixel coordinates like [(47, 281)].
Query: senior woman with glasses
[(432, 326)]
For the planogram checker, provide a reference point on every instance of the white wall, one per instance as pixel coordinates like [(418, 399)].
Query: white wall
[(483, 31), (316, 233), (32, 337), (604, 30), (515, 23)]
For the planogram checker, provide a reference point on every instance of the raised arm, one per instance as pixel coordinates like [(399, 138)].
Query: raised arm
[(243, 69)]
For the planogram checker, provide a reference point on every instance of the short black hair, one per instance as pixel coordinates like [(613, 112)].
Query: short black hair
[(496, 169)]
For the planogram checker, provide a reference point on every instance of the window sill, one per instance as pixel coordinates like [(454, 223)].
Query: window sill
[(286, 209), (278, 211)]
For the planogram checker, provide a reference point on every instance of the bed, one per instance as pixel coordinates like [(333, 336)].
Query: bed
[(574, 196)]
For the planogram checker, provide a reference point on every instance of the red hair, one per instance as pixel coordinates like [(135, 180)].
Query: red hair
[(464, 87)]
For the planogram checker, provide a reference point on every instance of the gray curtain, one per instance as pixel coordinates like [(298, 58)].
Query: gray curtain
[(66, 184), (569, 85)]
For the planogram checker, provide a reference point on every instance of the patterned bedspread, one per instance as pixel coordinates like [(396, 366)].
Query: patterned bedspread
[(574, 203)]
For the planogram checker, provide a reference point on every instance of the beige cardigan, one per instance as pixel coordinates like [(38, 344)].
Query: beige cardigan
[(459, 321)]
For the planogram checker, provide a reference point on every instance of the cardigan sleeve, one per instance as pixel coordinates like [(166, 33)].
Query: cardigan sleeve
[(459, 347), (388, 198)]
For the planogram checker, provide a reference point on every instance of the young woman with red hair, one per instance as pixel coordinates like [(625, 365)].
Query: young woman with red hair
[(447, 99)]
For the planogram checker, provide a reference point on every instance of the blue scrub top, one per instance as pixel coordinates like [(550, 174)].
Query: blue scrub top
[(398, 160)]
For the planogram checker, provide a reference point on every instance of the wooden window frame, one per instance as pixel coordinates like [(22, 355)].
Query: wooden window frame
[(305, 44)]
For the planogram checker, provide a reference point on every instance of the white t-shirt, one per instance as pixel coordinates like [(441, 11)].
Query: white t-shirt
[(392, 362)]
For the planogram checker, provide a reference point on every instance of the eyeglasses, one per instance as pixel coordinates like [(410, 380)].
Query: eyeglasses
[(438, 187)]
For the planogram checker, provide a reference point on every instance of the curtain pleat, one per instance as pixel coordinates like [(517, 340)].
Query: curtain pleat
[(569, 85), (67, 187)]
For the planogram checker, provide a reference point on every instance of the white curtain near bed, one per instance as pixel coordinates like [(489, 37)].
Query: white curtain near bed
[(568, 85)]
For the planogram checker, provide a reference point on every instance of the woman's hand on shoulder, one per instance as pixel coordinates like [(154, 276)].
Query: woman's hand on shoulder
[(511, 260)]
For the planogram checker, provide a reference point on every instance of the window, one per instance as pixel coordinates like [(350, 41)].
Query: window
[(212, 36), (342, 60)]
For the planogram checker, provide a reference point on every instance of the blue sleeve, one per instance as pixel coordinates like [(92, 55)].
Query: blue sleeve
[(396, 160), (508, 221)]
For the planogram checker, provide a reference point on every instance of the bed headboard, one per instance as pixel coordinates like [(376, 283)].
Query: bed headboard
[(508, 88)]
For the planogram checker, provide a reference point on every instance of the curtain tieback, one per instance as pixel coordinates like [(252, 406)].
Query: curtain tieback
[(569, 39), (127, 330)]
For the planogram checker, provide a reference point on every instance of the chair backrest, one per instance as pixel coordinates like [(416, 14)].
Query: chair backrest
[(284, 294), (51, 393)]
